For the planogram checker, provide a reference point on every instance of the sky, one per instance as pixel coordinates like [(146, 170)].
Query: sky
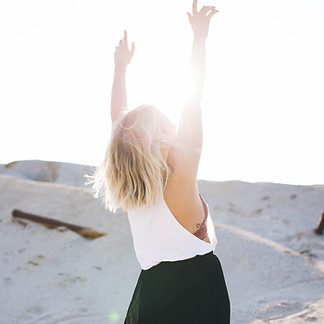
[(263, 102)]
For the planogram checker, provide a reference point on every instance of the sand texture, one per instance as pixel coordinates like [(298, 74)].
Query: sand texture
[(272, 260)]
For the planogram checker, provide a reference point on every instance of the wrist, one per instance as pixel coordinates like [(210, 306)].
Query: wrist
[(199, 40), (120, 67)]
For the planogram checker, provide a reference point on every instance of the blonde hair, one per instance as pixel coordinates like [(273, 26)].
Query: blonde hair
[(134, 172)]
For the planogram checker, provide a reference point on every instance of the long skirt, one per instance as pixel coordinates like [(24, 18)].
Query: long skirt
[(181, 292)]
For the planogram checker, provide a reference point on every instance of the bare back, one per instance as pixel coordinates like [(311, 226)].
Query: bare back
[(184, 203)]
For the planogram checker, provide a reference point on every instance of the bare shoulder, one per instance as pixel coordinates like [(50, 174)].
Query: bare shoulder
[(184, 162)]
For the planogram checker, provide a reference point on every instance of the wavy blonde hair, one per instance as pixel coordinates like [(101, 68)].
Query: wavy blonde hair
[(134, 172)]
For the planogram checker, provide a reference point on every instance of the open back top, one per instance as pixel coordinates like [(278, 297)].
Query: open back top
[(158, 236)]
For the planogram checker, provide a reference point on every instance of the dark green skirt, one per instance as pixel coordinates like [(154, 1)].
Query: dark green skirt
[(181, 292)]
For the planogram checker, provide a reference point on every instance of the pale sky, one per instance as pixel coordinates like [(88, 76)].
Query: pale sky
[(263, 102)]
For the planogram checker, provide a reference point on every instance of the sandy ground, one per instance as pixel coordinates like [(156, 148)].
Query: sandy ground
[(273, 262)]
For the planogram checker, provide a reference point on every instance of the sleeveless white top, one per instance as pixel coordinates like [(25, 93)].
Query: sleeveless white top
[(158, 236)]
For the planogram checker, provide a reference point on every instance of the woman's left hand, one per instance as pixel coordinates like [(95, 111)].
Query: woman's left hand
[(123, 55)]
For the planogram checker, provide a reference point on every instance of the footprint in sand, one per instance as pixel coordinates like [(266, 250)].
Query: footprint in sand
[(33, 313), (258, 211), (38, 257)]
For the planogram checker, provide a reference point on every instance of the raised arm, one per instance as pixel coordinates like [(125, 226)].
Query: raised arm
[(123, 56), (185, 157), (199, 21)]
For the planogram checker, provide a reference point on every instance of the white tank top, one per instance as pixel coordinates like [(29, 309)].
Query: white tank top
[(158, 236)]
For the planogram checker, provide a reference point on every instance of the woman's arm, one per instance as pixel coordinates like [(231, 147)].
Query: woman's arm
[(123, 56), (200, 25), (185, 162)]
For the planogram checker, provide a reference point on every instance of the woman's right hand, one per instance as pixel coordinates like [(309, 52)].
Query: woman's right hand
[(199, 20), (123, 55)]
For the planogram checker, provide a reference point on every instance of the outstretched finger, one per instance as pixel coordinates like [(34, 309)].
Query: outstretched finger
[(194, 7), (125, 35)]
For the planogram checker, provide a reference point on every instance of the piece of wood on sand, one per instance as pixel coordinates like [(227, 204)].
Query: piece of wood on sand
[(320, 227), (54, 223)]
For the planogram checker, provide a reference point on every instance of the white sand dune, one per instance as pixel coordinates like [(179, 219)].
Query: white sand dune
[(47, 171), (273, 262)]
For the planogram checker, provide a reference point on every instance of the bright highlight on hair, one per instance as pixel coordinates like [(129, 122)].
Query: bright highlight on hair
[(134, 172)]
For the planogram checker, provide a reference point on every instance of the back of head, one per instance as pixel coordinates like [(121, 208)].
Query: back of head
[(134, 172)]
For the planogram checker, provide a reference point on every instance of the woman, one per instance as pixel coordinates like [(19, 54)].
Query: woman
[(150, 171)]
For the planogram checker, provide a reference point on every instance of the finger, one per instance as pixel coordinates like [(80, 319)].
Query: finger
[(212, 13), (204, 10), (189, 17), (194, 7), (132, 49), (125, 35)]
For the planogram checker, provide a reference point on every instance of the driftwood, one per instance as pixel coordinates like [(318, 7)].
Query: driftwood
[(320, 227), (54, 223)]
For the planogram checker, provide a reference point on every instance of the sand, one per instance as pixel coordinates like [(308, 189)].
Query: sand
[(273, 262)]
